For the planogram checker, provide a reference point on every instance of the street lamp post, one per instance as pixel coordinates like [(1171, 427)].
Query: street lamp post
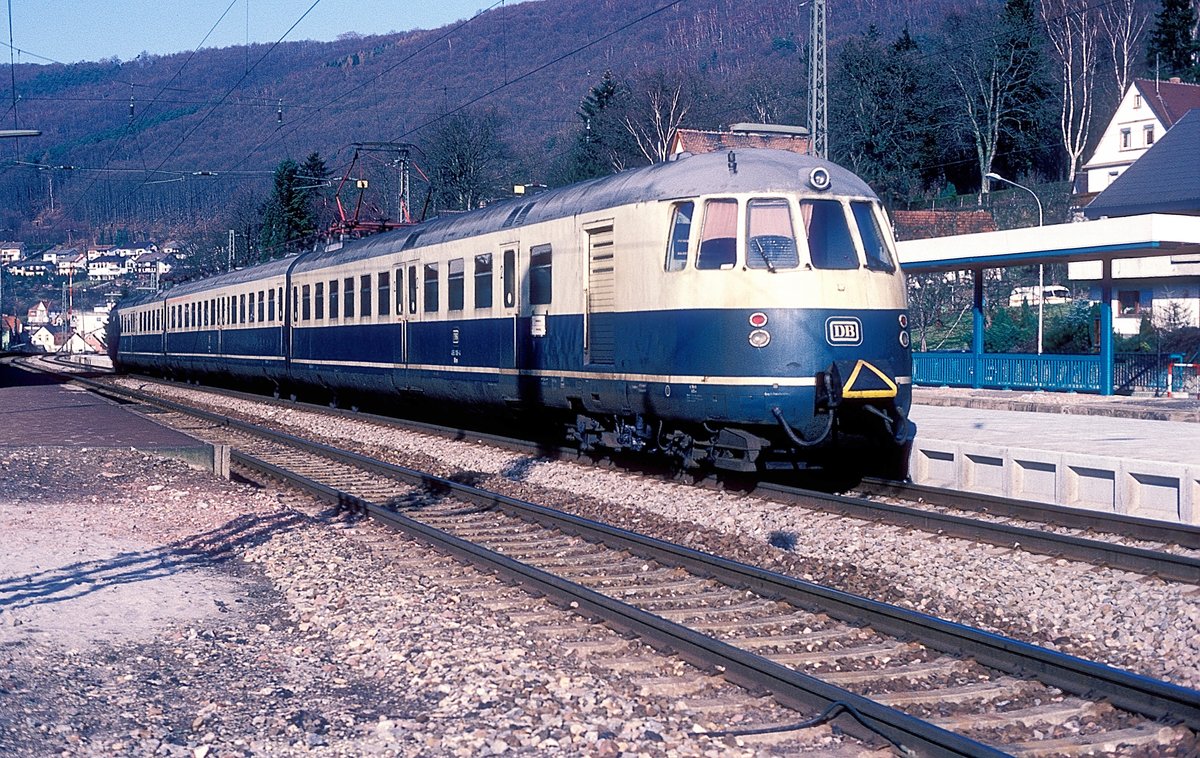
[(1041, 267)]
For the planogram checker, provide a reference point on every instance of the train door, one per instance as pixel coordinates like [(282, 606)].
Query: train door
[(510, 304), (599, 333), (408, 288)]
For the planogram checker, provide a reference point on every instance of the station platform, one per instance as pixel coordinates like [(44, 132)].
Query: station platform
[(41, 410), (1138, 456)]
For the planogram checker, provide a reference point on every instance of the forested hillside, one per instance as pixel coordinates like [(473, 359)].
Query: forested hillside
[(537, 93)]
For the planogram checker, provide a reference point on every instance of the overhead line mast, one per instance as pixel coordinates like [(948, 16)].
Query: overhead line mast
[(818, 115)]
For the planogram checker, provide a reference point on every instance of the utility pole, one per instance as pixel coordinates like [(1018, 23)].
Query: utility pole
[(818, 117), (229, 267)]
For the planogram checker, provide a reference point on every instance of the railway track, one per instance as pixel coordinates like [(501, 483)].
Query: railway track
[(927, 685), (1168, 551)]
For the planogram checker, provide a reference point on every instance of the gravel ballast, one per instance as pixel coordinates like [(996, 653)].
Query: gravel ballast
[(1127, 620), (150, 609)]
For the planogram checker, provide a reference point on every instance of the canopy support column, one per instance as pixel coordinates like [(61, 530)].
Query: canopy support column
[(977, 330), (1106, 328)]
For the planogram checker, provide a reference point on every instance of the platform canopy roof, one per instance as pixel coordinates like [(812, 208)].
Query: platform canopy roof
[(1143, 236)]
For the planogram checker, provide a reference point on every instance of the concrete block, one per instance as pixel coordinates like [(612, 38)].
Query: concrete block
[(202, 455), (1090, 482), (982, 469), (1153, 490), (1035, 475), (934, 462)]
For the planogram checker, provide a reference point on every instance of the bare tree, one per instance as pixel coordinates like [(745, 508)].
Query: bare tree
[(994, 66), (1123, 25), (467, 157), (659, 105), (1074, 32)]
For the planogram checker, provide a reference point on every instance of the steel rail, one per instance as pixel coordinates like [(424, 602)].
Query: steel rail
[(1162, 564), (788, 686), (1165, 565), (1183, 535), (1132, 692)]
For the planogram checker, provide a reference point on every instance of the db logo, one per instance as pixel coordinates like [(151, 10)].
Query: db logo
[(843, 330)]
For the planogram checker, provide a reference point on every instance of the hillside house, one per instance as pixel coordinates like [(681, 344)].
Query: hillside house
[(923, 224), (10, 331), (107, 267), (1147, 111), (72, 265), (131, 252), (95, 251), (1163, 289), (38, 315), (89, 322), (695, 141), (152, 264), (11, 252), (44, 340), (31, 268)]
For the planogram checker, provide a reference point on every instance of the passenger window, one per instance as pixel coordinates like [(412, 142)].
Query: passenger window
[(251, 306), (242, 309), (829, 242), (348, 294), (319, 301), (718, 242), (399, 292), (540, 279), (306, 303), (681, 231), (262, 304), (412, 289), (770, 241), (333, 298), (455, 284), (431, 287), (271, 305), (295, 305), (385, 293), (483, 280), (365, 294), (873, 239), (510, 278)]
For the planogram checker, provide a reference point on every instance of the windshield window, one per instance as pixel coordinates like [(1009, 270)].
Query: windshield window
[(873, 239), (829, 243), (718, 243), (770, 241)]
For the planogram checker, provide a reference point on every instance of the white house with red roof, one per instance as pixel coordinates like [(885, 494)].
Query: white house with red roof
[(1148, 109)]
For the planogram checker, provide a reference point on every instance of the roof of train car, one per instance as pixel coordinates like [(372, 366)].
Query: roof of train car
[(757, 170)]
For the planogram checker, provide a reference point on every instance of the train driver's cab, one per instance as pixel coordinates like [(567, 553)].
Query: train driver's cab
[(779, 234)]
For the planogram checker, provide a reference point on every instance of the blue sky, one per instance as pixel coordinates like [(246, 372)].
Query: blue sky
[(75, 30)]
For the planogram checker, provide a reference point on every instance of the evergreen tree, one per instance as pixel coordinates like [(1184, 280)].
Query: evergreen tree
[(1173, 49), (887, 121), (287, 220), (603, 144)]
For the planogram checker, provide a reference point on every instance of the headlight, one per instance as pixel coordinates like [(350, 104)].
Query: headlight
[(760, 338)]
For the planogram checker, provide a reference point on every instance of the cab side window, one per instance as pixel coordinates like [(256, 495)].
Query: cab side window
[(681, 232), (873, 239)]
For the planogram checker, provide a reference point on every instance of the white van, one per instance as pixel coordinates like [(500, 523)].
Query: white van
[(1052, 294)]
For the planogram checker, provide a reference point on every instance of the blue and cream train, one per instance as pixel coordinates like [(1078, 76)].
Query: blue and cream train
[(741, 310)]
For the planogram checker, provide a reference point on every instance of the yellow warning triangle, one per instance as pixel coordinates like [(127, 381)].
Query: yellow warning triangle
[(870, 387)]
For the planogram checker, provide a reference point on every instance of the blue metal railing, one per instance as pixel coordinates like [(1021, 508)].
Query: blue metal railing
[(1029, 371)]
